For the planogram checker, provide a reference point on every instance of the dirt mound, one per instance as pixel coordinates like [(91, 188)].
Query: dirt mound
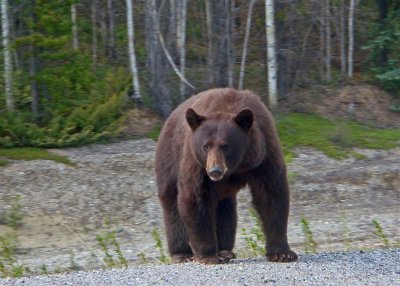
[(140, 122), (364, 103)]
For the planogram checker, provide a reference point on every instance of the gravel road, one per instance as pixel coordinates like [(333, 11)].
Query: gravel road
[(379, 267)]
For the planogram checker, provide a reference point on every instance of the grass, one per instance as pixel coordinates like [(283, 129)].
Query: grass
[(334, 138), (310, 246), (30, 153), (13, 216), (380, 233)]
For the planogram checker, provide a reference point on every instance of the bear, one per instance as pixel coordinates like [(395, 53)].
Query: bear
[(211, 146)]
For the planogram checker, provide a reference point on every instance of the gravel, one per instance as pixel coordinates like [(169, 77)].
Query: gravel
[(378, 267)]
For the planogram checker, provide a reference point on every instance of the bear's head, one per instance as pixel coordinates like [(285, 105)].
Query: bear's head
[(220, 141)]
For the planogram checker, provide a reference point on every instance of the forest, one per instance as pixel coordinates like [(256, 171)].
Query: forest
[(72, 68)]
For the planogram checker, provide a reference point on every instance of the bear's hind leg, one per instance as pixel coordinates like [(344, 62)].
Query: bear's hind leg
[(178, 246), (226, 228)]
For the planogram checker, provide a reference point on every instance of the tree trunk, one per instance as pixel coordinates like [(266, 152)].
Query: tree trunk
[(351, 38), (75, 41), (158, 89), (383, 14), (8, 69), (210, 49), (111, 30), (327, 23), (271, 54), (94, 31), (35, 100), (181, 38), (322, 41), (245, 44), (137, 97), (229, 44), (342, 39)]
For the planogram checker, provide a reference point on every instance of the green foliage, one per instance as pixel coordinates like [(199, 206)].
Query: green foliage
[(13, 217), (33, 154), (155, 133), (159, 245), (83, 125), (309, 243), (386, 39), (380, 233), (332, 138), (110, 247), (255, 238), (8, 262)]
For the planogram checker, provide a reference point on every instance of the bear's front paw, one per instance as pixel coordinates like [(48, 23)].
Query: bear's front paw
[(226, 255), (181, 258), (208, 260), (286, 256)]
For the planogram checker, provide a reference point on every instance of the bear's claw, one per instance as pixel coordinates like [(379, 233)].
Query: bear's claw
[(288, 256)]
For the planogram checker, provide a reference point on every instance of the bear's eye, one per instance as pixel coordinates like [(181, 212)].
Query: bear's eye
[(206, 147), (226, 147)]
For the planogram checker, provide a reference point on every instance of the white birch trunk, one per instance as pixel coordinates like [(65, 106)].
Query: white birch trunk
[(8, 70), (342, 39), (131, 49), (181, 39), (245, 44), (75, 41), (351, 39), (271, 54)]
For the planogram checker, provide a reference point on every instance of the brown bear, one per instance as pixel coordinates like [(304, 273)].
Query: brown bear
[(210, 147)]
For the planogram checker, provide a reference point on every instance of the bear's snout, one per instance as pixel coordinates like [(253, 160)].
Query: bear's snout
[(215, 173), (216, 167)]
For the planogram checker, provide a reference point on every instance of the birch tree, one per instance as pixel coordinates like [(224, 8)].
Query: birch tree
[(271, 54), (181, 38), (131, 48), (245, 44), (351, 38), (75, 41), (8, 69), (342, 38)]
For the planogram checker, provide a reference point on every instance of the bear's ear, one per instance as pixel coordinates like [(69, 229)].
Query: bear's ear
[(193, 119), (244, 119)]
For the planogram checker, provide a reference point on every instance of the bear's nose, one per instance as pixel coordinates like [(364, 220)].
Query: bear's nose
[(215, 172)]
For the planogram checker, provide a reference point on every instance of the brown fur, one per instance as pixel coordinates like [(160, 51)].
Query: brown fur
[(210, 147)]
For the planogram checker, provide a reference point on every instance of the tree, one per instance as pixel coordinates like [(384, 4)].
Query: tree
[(8, 68), (94, 30), (132, 55), (75, 41), (181, 37), (351, 38), (327, 24), (111, 30), (245, 44), (271, 54)]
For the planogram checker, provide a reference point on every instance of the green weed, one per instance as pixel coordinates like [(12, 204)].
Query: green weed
[(29, 154), (159, 245), (310, 246), (380, 233), (255, 238), (334, 138), (110, 247), (13, 217), (8, 261), (142, 257)]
